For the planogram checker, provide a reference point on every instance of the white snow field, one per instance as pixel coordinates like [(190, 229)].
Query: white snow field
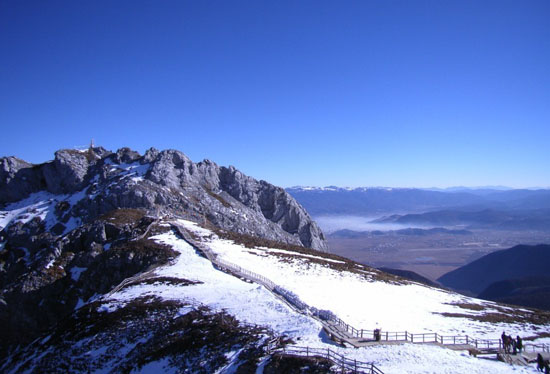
[(355, 299)]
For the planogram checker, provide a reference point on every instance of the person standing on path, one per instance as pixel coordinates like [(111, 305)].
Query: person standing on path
[(540, 362), (519, 344)]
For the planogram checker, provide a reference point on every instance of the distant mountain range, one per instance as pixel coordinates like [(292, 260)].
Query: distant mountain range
[(345, 233), (367, 201), (484, 219), (518, 275)]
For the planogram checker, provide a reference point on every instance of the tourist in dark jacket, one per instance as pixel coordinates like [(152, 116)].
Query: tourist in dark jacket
[(504, 340), (540, 362), (377, 334), (519, 343)]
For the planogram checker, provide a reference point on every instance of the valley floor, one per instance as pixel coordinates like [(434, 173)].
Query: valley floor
[(429, 255)]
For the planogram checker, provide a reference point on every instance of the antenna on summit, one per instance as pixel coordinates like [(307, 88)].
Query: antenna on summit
[(92, 144)]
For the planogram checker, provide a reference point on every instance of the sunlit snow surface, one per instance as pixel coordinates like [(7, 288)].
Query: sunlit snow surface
[(356, 300), (360, 302), (42, 205)]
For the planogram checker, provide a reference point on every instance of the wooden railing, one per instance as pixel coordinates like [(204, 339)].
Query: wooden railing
[(530, 347), (449, 340), (244, 272), (340, 362)]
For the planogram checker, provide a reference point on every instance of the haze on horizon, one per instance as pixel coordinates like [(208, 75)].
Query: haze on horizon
[(366, 93)]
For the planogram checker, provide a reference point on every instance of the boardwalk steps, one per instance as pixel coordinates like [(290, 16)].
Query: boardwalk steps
[(517, 359), (340, 363)]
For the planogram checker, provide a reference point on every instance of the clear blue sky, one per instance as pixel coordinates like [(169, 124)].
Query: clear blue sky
[(349, 93)]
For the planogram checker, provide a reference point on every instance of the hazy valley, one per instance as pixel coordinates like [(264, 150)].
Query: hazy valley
[(425, 231), (430, 254)]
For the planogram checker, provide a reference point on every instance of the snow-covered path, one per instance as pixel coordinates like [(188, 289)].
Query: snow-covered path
[(253, 304), (364, 302)]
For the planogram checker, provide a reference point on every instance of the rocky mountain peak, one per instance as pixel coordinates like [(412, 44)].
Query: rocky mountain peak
[(92, 182)]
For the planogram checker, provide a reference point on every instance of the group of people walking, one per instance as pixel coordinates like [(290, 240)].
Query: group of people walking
[(514, 346), (510, 344)]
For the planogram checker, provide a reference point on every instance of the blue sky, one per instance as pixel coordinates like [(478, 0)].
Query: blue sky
[(349, 93)]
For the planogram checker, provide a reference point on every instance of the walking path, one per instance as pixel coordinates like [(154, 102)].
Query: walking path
[(343, 333), (339, 361)]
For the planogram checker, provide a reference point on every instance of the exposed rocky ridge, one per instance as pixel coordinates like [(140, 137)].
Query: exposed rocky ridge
[(161, 182), (148, 334), (43, 278)]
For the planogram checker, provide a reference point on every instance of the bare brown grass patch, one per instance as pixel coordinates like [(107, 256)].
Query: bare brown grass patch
[(123, 216)]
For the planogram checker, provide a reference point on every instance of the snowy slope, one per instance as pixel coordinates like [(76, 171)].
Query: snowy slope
[(325, 288), (363, 302)]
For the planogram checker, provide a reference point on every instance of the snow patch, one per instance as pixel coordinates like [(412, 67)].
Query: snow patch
[(155, 367), (76, 271), (109, 307), (41, 205)]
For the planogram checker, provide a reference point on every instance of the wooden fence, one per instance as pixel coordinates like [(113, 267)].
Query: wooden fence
[(244, 272), (346, 365), (529, 347), (449, 340)]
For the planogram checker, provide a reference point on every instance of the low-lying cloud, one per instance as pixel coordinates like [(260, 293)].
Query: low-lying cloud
[(330, 224)]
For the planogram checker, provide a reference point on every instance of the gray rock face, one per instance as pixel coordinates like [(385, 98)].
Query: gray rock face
[(17, 179), (162, 182), (67, 172)]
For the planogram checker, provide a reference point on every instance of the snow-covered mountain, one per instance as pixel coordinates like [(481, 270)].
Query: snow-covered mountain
[(173, 283)]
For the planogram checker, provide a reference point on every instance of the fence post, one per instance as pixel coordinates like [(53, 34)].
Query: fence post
[(307, 351)]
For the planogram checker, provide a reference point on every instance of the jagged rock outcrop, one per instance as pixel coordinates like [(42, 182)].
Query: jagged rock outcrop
[(162, 182), (44, 278), (18, 179)]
